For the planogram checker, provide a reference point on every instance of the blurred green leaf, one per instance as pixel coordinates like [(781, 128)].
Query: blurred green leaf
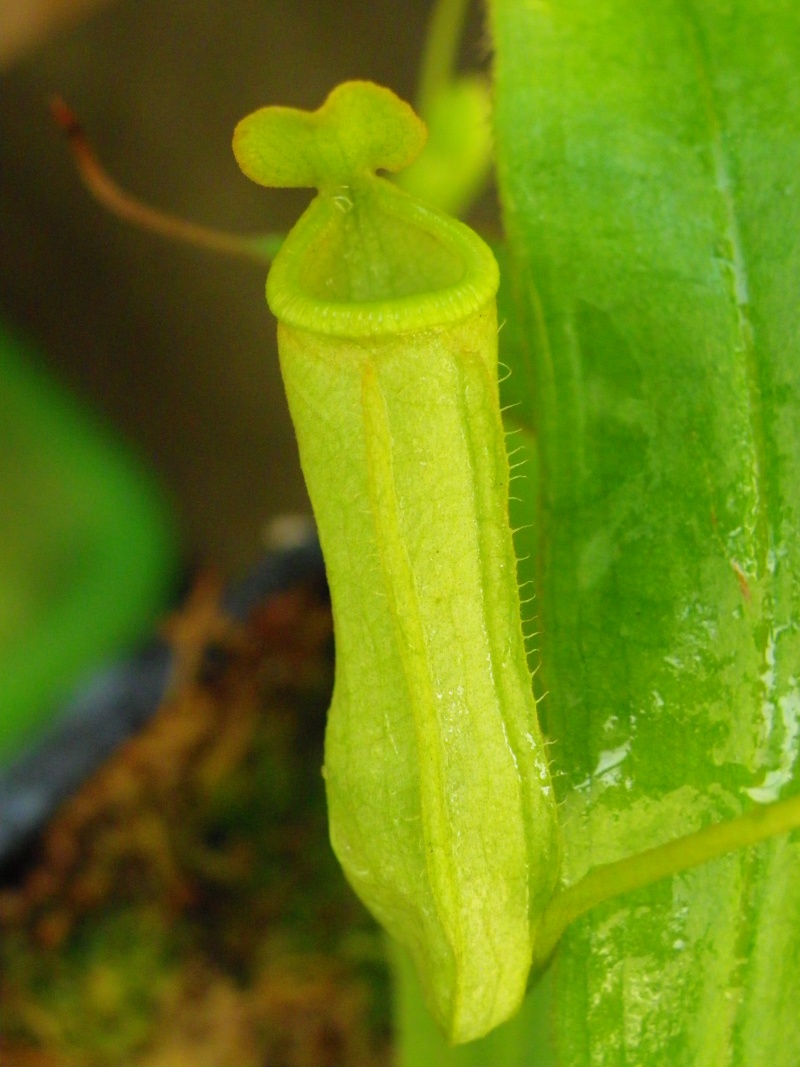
[(647, 158), (454, 167)]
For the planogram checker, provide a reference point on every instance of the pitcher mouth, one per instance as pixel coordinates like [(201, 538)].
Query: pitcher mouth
[(431, 269)]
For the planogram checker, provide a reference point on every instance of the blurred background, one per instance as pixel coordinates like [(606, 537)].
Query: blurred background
[(173, 347)]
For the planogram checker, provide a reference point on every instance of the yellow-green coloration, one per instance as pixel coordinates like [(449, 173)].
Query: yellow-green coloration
[(455, 166), (440, 801)]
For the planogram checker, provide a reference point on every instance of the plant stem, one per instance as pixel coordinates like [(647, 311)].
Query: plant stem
[(635, 872), (441, 50), (523, 1041), (256, 247)]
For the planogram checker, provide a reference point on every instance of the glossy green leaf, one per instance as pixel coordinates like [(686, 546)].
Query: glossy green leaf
[(647, 157)]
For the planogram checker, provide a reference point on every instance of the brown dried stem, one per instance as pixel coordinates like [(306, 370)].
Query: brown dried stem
[(260, 248)]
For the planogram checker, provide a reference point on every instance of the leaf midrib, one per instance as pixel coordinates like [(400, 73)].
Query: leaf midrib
[(746, 348), (739, 291)]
